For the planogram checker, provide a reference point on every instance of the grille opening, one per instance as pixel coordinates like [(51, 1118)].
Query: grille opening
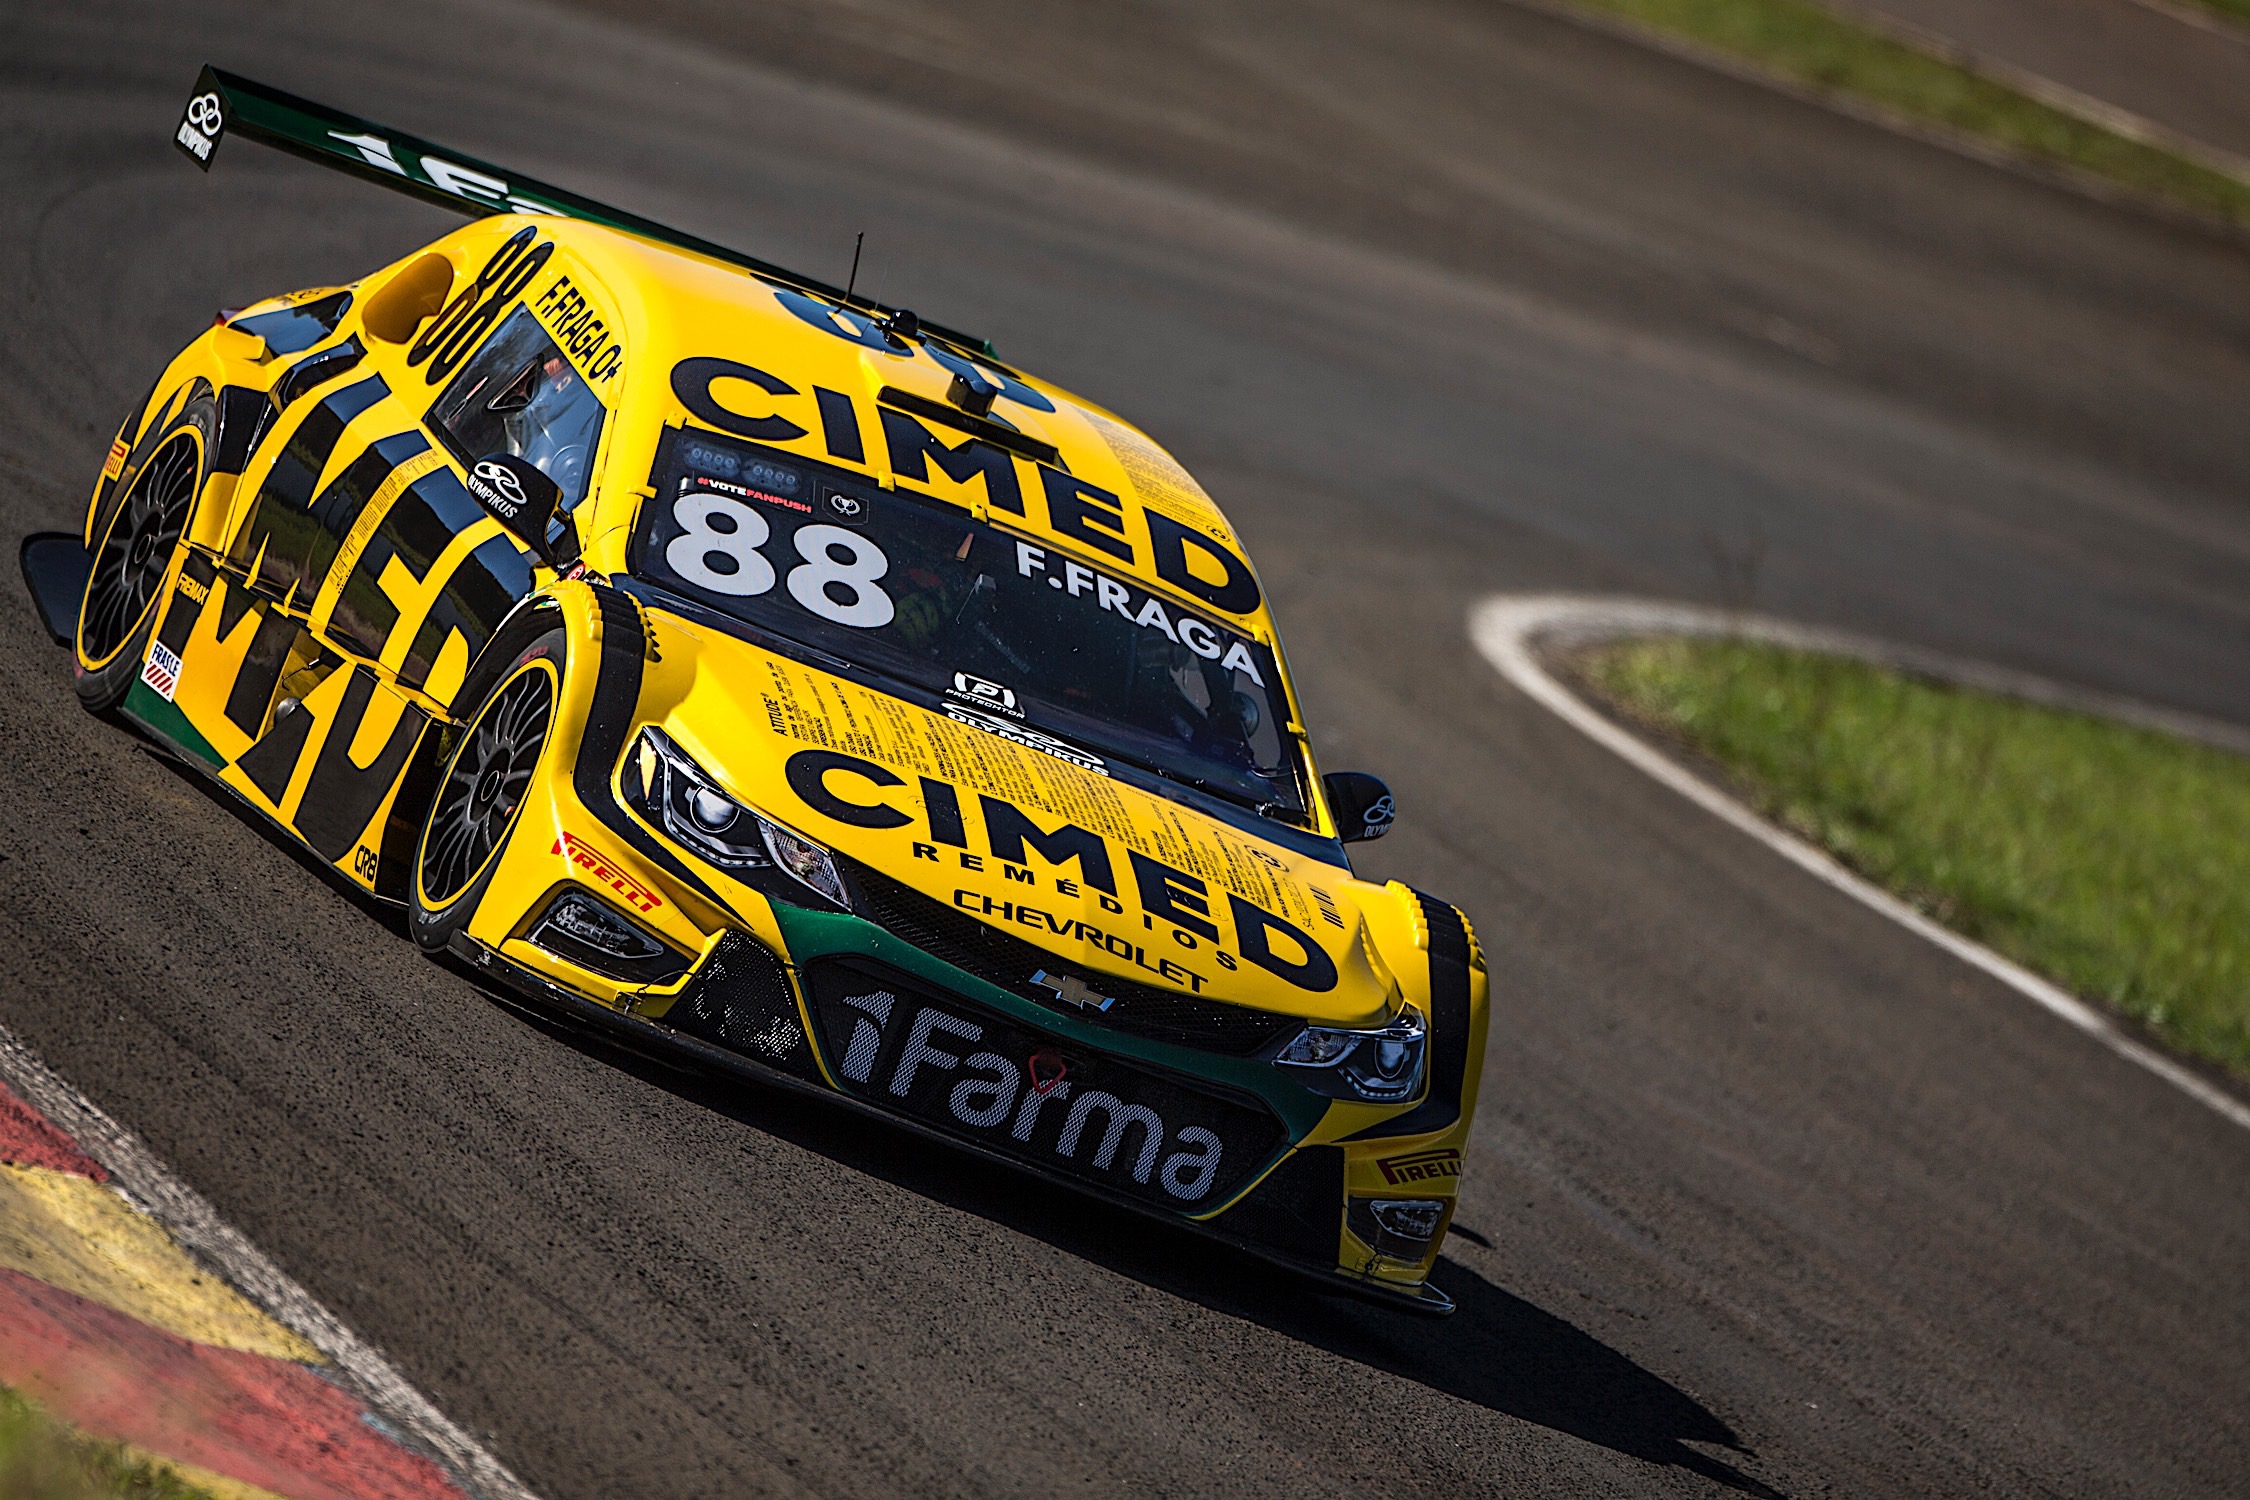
[(577, 927), (740, 1000)]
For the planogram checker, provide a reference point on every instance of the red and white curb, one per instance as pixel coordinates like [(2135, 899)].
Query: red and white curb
[(102, 1316), (1504, 628)]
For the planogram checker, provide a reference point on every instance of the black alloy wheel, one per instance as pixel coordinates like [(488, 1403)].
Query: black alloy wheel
[(136, 550), (476, 805)]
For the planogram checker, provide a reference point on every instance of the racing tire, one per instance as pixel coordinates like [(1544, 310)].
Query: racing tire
[(482, 791), (131, 558)]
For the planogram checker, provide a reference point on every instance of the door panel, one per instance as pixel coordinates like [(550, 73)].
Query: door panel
[(356, 584)]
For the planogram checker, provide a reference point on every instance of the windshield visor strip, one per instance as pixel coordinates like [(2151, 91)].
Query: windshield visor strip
[(1014, 636)]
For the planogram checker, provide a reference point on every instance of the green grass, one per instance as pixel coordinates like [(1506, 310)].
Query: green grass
[(1810, 45), (2114, 860), (2233, 10), (41, 1459)]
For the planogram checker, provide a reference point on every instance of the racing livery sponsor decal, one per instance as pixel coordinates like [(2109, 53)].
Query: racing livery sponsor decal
[(915, 450), (201, 124), (1156, 477), (1010, 1089), (1421, 1166), (162, 670), (1123, 949), (1187, 545), (288, 538), (984, 693), (696, 384), (498, 487), (483, 191), (604, 869), (816, 709), (425, 587), (1030, 739), (851, 791)]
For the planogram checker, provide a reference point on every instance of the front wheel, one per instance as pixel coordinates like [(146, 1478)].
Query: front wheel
[(486, 782)]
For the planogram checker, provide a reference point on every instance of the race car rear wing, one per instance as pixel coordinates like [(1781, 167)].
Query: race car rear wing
[(226, 104)]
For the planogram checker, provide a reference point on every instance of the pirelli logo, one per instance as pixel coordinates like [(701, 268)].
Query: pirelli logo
[(604, 869), (115, 463), (1422, 1166)]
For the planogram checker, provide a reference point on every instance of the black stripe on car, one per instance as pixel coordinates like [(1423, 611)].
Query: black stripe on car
[(1449, 1027), (617, 697)]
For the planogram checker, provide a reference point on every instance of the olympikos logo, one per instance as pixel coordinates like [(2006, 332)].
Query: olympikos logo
[(1030, 739), (1422, 1166), (200, 127), (1379, 817), (504, 489)]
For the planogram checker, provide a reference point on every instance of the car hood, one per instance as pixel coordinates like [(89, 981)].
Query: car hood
[(967, 809)]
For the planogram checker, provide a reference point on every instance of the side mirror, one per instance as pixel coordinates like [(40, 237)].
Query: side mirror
[(525, 500), (1361, 803)]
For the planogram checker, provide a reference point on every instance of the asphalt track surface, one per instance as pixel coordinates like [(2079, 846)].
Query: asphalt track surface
[(1439, 299), (2173, 62)]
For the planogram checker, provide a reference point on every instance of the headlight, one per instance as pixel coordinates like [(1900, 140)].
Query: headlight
[(684, 800), (805, 860), (1381, 1067)]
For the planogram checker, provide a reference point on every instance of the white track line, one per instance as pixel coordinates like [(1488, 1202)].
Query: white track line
[(1504, 626), (220, 1246)]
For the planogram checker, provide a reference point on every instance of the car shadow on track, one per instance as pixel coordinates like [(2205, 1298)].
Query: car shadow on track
[(1499, 1351)]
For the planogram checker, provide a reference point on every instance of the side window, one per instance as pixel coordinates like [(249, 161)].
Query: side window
[(520, 395)]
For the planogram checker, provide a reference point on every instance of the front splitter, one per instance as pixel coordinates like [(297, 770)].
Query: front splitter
[(660, 1043)]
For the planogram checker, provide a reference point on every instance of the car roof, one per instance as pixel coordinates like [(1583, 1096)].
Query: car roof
[(669, 338)]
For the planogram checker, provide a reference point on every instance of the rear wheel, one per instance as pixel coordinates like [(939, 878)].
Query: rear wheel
[(483, 791), (130, 560)]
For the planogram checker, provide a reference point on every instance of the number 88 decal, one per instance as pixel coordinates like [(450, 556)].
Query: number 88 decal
[(718, 529)]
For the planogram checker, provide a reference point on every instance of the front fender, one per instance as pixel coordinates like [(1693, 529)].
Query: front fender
[(574, 828)]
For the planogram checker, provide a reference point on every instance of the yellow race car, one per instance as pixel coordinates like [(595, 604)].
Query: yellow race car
[(767, 675)]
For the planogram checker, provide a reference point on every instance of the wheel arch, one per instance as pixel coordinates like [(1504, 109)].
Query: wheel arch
[(225, 396), (533, 616)]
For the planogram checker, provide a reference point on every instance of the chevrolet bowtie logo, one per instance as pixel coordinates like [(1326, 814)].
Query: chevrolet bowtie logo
[(1073, 989)]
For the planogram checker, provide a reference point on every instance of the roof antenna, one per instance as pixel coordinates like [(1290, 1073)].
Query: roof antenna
[(857, 242)]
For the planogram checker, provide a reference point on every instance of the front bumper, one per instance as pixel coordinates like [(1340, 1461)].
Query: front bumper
[(1216, 1143)]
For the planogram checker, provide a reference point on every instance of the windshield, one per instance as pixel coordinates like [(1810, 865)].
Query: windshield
[(1015, 636)]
